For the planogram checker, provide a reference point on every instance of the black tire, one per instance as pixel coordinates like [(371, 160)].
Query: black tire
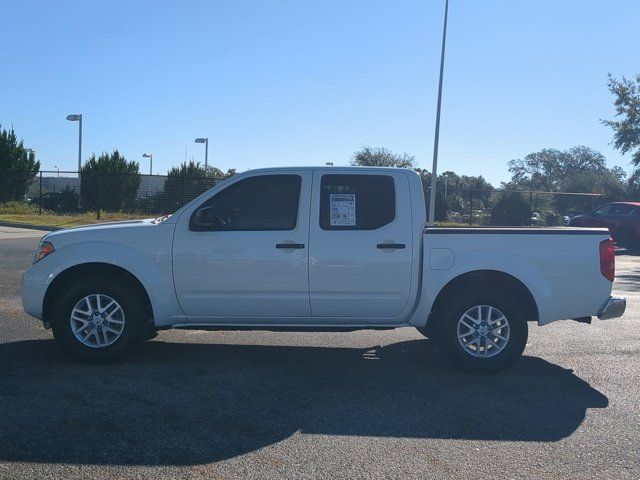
[(131, 336), (460, 356)]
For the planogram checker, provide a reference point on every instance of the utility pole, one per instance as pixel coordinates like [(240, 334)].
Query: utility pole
[(434, 169)]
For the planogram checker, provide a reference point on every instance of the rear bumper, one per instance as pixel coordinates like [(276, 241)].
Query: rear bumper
[(613, 308)]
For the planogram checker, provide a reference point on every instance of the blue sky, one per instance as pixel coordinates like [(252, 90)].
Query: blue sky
[(276, 83)]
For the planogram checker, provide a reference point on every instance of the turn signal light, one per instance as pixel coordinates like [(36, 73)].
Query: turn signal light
[(44, 249)]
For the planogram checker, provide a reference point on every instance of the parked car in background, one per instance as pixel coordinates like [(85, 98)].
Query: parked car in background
[(536, 219), (49, 201), (621, 218), (66, 200)]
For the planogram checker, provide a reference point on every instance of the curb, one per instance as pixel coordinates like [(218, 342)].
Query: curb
[(29, 226)]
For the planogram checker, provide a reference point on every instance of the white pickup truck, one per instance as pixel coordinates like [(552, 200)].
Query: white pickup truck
[(325, 248)]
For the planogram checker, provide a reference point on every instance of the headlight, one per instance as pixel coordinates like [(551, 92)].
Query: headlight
[(44, 249)]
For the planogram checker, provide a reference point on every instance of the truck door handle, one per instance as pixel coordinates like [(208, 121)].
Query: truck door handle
[(394, 246), (289, 245)]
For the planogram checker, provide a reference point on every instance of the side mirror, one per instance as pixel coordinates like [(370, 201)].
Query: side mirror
[(204, 219)]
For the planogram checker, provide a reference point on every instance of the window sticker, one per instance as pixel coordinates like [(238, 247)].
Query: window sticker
[(343, 209)]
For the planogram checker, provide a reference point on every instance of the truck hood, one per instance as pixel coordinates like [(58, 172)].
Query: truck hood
[(102, 231)]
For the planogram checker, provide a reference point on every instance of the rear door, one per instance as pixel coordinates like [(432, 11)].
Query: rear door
[(360, 245)]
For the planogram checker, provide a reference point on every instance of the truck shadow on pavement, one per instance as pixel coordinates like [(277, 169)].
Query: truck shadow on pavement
[(181, 404)]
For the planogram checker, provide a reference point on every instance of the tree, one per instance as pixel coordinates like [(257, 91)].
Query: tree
[(18, 167), (109, 182), (453, 190), (626, 137), (187, 181), (633, 184), (381, 157), (442, 207), (458, 189), (579, 169), (512, 208), (68, 199)]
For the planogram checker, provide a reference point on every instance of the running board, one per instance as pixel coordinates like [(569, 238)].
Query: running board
[(277, 329)]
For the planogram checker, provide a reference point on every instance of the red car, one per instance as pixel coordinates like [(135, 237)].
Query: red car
[(621, 218)]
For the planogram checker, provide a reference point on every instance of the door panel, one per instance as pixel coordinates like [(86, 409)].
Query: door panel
[(361, 246), (244, 270)]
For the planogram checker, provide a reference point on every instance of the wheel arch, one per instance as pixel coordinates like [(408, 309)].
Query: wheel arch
[(79, 271), (487, 279)]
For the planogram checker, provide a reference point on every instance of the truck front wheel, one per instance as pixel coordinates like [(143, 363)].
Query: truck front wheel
[(98, 320), (483, 332)]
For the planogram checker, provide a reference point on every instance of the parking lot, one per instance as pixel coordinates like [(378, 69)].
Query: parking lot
[(318, 405)]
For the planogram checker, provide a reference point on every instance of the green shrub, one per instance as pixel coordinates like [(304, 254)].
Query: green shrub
[(68, 200), (18, 208), (512, 209)]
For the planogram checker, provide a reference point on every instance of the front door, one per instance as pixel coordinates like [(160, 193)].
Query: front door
[(361, 246), (244, 251)]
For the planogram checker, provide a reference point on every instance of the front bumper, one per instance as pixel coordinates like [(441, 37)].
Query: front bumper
[(32, 296), (613, 308)]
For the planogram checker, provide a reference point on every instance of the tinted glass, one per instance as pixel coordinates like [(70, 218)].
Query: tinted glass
[(620, 209), (602, 210), (267, 202), (357, 202)]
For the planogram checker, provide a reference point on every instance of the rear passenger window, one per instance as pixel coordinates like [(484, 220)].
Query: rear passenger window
[(620, 209), (357, 202)]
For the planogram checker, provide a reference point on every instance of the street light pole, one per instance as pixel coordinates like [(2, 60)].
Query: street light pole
[(78, 118), (150, 157), (206, 150), (80, 143), (434, 169)]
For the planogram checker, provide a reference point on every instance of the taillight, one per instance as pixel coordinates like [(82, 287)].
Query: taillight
[(608, 259)]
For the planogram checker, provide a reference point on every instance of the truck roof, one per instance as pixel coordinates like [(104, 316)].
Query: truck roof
[(331, 168)]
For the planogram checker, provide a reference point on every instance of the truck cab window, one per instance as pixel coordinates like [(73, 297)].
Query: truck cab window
[(357, 202), (265, 202)]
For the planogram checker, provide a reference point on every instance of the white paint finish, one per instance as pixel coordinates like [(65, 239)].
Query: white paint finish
[(240, 278), (226, 274), (32, 296), (561, 271), (142, 248), (441, 259), (348, 275)]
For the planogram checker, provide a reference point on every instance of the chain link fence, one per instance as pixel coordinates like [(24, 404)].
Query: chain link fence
[(67, 193), (501, 207)]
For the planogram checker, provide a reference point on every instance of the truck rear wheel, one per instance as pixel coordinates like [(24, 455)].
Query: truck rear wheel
[(483, 332), (98, 320)]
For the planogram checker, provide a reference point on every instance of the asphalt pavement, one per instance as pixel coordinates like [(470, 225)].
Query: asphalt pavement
[(317, 405)]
